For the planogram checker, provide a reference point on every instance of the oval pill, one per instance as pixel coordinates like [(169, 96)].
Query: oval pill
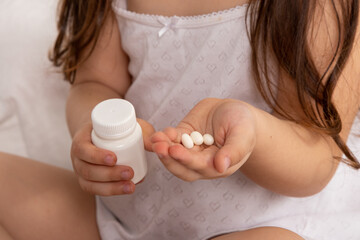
[(197, 138), (208, 139), (187, 141)]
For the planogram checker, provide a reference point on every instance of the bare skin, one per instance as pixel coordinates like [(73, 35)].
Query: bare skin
[(263, 233), (39, 201), (47, 202), (4, 234), (182, 7)]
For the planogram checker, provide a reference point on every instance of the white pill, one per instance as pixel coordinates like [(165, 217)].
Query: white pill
[(187, 141), (208, 139), (197, 138)]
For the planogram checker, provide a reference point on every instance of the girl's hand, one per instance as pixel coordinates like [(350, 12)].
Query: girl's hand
[(233, 125), (95, 167)]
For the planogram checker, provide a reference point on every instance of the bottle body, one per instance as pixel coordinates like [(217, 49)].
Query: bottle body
[(128, 150), (115, 129)]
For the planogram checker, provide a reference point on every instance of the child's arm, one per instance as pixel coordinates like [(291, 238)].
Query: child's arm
[(305, 158), (102, 76), (310, 154), (277, 154), (285, 157)]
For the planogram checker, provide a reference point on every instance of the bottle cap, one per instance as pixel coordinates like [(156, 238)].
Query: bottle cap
[(113, 118)]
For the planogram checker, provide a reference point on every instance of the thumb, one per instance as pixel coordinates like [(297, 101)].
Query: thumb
[(238, 146), (147, 131)]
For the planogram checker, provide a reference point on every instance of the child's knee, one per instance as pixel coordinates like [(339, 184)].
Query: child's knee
[(264, 233)]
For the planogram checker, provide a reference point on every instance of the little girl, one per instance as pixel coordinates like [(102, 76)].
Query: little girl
[(275, 83)]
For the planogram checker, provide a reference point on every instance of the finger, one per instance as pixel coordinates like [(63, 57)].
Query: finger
[(175, 167), (173, 134), (168, 134), (159, 137), (107, 189), (147, 130), (198, 160), (83, 149), (161, 149), (237, 148), (98, 173), (180, 170)]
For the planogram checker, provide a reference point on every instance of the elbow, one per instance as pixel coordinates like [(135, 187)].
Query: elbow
[(315, 181), (305, 190)]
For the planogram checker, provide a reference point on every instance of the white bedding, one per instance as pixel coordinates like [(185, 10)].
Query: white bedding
[(32, 92)]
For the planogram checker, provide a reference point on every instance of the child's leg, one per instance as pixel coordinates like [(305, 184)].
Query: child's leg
[(263, 233), (39, 201), (4, 235)]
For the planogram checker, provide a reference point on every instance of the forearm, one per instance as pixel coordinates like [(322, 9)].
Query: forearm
[(288, 158), (82, 99)]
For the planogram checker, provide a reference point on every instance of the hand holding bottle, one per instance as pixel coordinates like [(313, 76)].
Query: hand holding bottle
[(96, 167)]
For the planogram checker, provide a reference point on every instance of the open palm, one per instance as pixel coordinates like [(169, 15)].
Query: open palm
[(232, 124)]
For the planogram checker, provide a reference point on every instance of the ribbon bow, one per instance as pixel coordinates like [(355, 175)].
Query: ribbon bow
[(169, 23)]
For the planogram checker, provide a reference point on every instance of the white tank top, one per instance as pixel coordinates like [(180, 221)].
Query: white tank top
[(175, 62)]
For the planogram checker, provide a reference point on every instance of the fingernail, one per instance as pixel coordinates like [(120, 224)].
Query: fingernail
[(109, 160), (227, 163), (127, 188), (126, 175)]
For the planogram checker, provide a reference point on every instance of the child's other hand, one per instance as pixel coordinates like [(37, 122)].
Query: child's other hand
[(231, 122), (95, 167)]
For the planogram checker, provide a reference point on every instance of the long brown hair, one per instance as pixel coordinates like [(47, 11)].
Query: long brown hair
[(278, 28), (282, 28), (79, 25)]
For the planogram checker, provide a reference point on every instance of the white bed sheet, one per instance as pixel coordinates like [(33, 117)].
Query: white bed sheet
[(32, 92)]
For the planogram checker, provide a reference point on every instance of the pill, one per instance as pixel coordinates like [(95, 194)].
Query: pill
[(208, 139), (187, 141), (197, 138)]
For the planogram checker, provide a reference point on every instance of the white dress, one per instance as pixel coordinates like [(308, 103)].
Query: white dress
[(175, 62)]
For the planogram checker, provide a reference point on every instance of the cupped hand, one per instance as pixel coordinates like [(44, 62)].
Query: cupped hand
[(96, 168), (233, 125)]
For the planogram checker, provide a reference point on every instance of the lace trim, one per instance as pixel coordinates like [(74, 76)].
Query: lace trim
[(182, 21)]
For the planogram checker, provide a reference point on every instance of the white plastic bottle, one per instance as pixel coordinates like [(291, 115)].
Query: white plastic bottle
[(115, 128)]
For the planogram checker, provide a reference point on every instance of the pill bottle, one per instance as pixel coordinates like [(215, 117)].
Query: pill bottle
[(115, 128)]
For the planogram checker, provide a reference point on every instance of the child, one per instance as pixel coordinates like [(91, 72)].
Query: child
[(279, 101)]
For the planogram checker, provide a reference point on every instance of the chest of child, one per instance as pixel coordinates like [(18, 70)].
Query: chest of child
[(181, 7), (177, 61), (174, 63)]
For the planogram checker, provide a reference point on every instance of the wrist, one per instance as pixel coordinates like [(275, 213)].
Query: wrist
[(240, 114)]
